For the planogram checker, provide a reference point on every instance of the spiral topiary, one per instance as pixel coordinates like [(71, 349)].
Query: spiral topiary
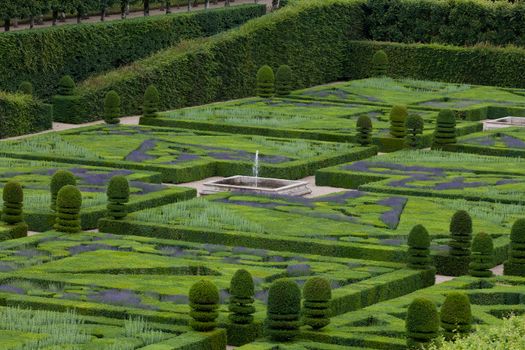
[(151, 102), (398, 116), (364, 130), (414, 127), (241, 300), (317, 293), (204, 302), (419, 248), (481, 256), (379, 64), (283, 310), (422, 323), (456, 316), (118, 196), (445, 132), (515, 265), (283, 80), (112, 108), (69, 201), (265, 82), (460, 234), (60, 179), (25, 88), (13, 196), (66, 86)]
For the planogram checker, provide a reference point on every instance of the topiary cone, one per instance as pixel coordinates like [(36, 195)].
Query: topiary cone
[(445, 132), (69, 202), (13, 197), (460, 234), (118, 196), (422, 323), (112, 111), (60, 179), (515, 265), (317, 294), (456, 315), (283, 310), (364, 130), (66, 86), (419, 248), (283, 80), (265, 82), (398, 115), (379, 63), (204, 302), (151, 102), (482, 256), (242, 292)]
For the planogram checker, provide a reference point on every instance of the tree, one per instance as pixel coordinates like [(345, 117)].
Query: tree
[(283, 80), (481, 256), (414, 127), (60, 179), (422, 323), (13, 197), (26, 88), (398, 116), (379, 64), (445, 132), (460, 234), (419, 248), (112, 108), (69, 202), (283, 310), (151, 102), (317, 294), (364, 130), (204, 302), (456, 315), (242, 298), (265, 82), (515, 265), (118, 196)]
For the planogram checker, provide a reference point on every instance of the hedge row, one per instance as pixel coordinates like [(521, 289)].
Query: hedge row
[(23, 114), (42, 56), (484, 150), (12, 231)]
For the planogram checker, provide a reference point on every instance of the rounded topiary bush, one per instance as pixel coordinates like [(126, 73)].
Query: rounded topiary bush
[(445, 132), (151, 102), (283, 80), (414, 127), (60, 179), (69, 202), (419, 248), (13, 197), (460, 234), (481, 256), (364, 130), (456, 315), (422, 323), (283, 310), (204, 302), (26, 88), (515, 265), (242, 292), (66, 86), (398, 116), (118, 196), (379, 63), (112, 111), (317, 294), (265, 82)]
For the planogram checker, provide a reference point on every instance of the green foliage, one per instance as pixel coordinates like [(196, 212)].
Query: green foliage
[(112, 111), (66, 86), (419, 248), (317, 294), (414, 125), (23, 114), (241, 299), (283, 80), (515, 265), (398, 116), (13, 197), (445, 132), (118, 196), (379, 64), (460, 233), (60, 179), (455, 315), (265, 82), (151, 102), (204, 302), (364, 130), (481, 256), (26, 87), (69, 201), (422, 323), (283, 310)]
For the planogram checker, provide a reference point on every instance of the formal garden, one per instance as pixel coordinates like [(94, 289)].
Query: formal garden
[(262, 175)]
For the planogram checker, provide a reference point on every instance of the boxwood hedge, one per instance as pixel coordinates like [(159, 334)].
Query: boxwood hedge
[(22, 114)]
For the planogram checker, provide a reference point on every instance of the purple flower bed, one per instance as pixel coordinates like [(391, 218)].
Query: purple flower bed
[(176, 299), (394, 169), (482, 141), (458, 183), (99, 179), (139, 154), (84, 248), (391, 217), (183, 158), (11, 289), (298, 270), (512, 142), (118, 297), (146, 187)]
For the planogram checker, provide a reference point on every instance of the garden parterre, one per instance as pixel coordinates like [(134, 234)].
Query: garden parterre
[(509, 142)]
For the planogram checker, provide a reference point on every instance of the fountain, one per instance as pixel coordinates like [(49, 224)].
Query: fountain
[(256, 167), (503, 122)]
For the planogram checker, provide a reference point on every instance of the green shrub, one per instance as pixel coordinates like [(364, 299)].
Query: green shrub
[(445, 132), (283, 310), (481, 256), (26, 88), (317, 294), (419, 248), (456, 316), (60, 179), (67, 105), (422, 323), (460, 234), (414, 126), (66, 86), (204, 302), (241, 299), (398, 116), (283, 80), (23, 114), (515, 265), (112, 108), (364, 130), (118, 196), (379, 64), (13, 196), (68, 204), (265, 82), (151, 102)]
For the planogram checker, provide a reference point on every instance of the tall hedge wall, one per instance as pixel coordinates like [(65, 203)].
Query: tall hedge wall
[(23, 114), (311, 37), (42, 56)]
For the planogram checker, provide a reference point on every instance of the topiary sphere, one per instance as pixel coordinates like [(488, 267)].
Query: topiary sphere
[(241, 284), (204, 292), (380, 58), (364, 121), (317, 289), (461, 223), (456, 312), (398, 113), (482, 243), (66, 86), (517, 233), (118, 187), (60, 179), (419, 237), (26, 88), (284, 297), (414, 122), (13, 192), (69, 197), (446, 116)]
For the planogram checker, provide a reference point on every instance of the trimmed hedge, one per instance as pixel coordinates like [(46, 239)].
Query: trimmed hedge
[(23, 114)]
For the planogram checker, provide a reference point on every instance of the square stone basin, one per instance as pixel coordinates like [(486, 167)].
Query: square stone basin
[(503, 123), (260, 185)]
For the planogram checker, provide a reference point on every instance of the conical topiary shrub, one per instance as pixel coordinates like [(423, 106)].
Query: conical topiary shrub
[(204, 302), (283, 80), (25, 88), (317, 294), (481, 256), (60, 179), (241, 300), (398, 116), (68, 107), (379, 64), (364, 130), (151, 102), (66, 86), (118, 196), (283, 310), (422, 323), (419, 248), (13, 197), (456, 316), (69, 201), (515, 265), (112, 111), (460, 234), (414, 127), (265, 82), (445, 132)]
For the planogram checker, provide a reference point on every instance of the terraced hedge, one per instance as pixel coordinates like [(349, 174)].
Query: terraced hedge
[(42, 56), (23, 114)]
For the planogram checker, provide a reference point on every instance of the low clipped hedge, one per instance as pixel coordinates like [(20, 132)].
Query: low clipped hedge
[(23, 114), (13, 231)]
